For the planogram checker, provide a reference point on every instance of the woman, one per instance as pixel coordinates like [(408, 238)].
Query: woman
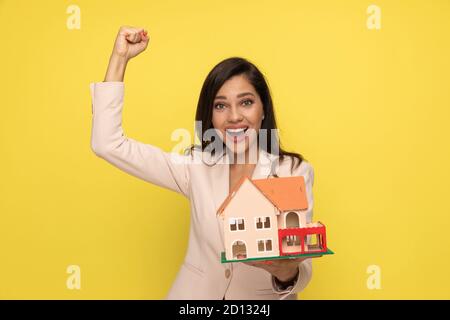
[(234, 101)]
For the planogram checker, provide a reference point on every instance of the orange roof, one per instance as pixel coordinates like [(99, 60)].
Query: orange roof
[(286, 193)]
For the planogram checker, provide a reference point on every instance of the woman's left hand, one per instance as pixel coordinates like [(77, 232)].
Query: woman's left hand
[(284, 269)]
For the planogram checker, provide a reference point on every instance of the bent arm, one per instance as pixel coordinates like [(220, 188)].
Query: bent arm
[(144, 161)]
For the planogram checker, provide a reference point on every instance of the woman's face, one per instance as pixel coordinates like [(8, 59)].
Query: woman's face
[(237, 108)]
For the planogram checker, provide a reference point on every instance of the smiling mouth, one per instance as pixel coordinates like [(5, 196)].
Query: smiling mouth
[(236, 132), (236, 135)]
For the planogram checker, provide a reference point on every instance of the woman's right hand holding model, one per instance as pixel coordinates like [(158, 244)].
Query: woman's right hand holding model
[(129, 43)]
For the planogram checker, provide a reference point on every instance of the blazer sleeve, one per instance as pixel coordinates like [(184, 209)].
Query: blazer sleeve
[(144, 161), (304, 267)]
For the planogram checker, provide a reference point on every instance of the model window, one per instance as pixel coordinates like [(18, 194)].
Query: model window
[(241, 224), (260, 245), (269, 245), (293, 241), (267, 223), (236, 224), (264, 245), (259, 223), (263, 223), (233, 224)]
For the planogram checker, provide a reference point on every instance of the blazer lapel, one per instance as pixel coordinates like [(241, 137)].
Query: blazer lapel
[(219, 182), (266, 165)]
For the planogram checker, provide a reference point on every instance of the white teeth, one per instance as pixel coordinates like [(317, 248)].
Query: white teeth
[(235, 131)]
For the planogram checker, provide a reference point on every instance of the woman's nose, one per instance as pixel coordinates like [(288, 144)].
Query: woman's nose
[(235, 116)]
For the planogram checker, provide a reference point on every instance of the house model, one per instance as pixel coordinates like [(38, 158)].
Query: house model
[(265, 219)]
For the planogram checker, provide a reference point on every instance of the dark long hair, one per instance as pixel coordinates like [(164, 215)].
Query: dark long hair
[(216, 78)]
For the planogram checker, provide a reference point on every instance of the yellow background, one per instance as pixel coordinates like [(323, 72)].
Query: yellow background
[(368, 108)]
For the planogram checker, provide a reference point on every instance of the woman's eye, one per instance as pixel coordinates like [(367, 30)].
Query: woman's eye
[(219, 106)]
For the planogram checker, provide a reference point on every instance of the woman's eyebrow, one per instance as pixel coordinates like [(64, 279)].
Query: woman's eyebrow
[(238, 96)]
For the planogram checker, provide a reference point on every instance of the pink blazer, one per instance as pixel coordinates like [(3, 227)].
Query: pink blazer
[(202, 275)]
